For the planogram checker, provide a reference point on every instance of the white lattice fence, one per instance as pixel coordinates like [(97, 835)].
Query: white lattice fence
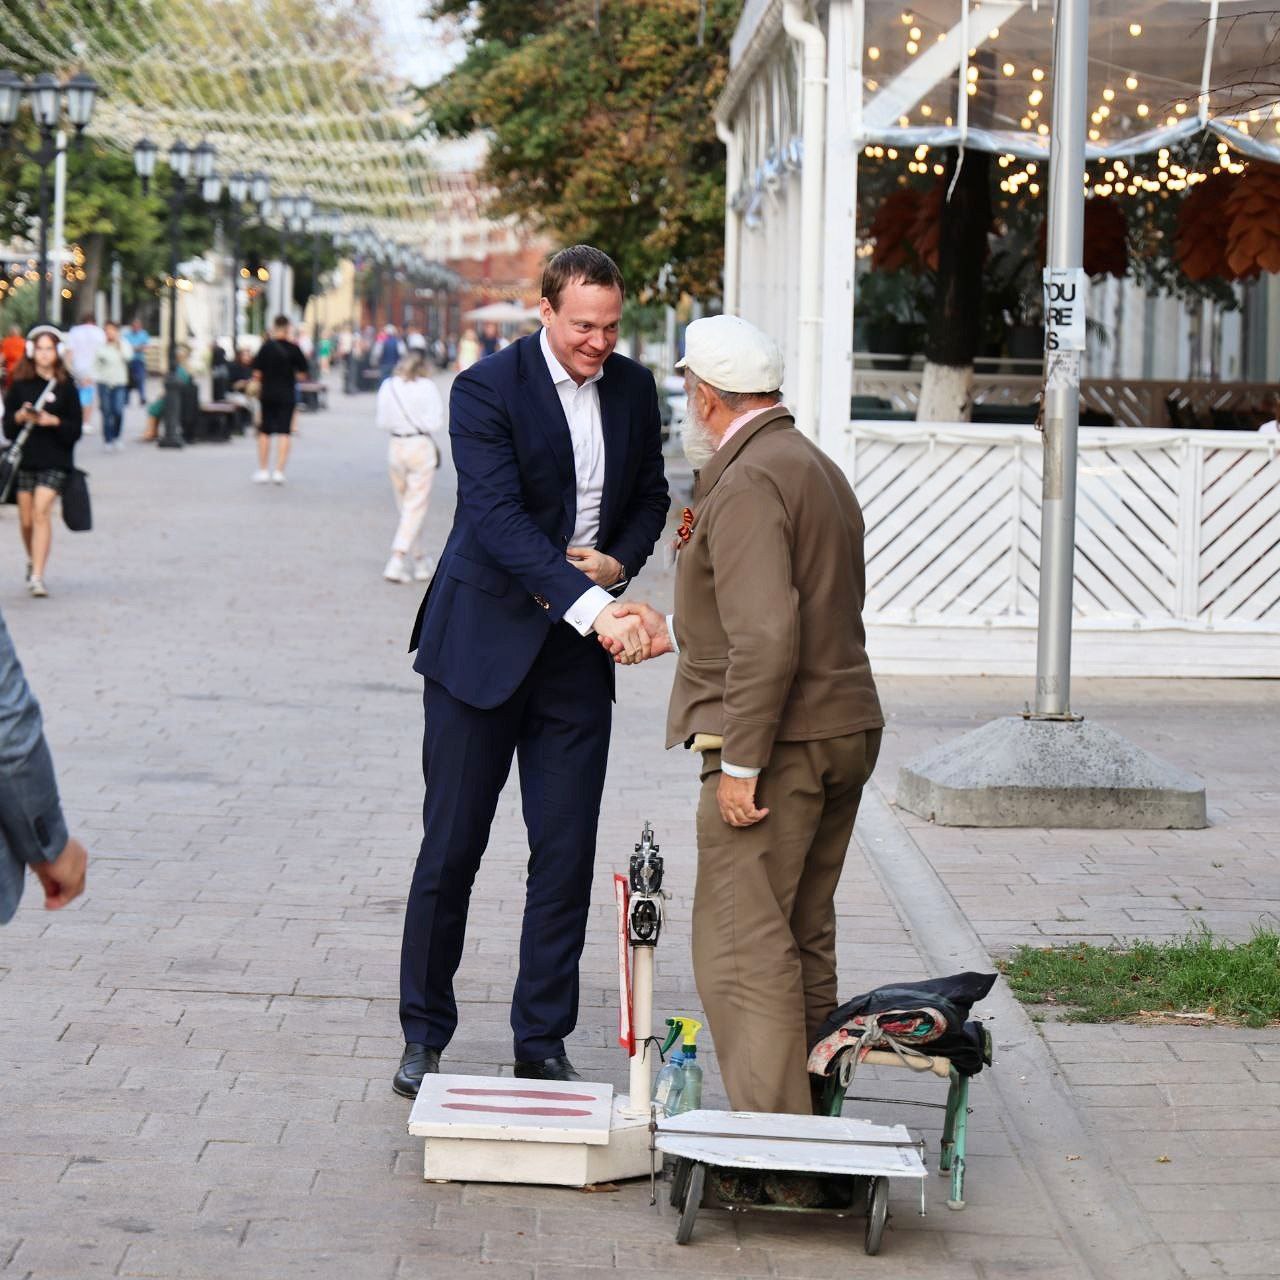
[(1177, 548)]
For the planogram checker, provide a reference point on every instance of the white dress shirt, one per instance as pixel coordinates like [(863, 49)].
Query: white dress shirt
[(581, 404)]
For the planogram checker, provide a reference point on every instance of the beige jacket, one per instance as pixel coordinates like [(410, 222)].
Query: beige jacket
[(769, 594)]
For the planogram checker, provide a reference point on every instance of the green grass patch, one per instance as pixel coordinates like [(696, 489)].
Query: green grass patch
[(1231, 981)]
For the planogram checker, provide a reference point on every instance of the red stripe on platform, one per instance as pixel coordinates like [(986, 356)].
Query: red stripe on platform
[(513, 1111), (540, 1095)]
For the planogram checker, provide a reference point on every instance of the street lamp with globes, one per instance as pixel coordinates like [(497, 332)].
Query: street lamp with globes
[(45, 96), (185, 163)]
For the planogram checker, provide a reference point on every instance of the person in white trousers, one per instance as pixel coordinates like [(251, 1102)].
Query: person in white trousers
[(411, 410)]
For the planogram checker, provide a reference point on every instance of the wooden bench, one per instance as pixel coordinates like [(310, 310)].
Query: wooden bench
[(215, 422), (315, 396)]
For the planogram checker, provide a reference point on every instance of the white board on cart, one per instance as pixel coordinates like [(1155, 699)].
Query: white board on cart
[(759, 1140)]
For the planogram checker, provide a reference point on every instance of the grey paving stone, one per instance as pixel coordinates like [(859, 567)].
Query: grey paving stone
[(225, 992)]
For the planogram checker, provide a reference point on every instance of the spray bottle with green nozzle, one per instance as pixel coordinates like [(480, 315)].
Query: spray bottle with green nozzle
[(678, 1087)]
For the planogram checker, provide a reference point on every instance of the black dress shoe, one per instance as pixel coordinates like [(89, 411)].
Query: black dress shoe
[(548, 1069), (416, 1061)]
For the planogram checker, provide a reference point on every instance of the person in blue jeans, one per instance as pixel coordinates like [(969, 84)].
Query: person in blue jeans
[(111, 373), (139, 340)]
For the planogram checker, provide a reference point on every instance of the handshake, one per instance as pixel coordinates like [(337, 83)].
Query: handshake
[(633, 632)]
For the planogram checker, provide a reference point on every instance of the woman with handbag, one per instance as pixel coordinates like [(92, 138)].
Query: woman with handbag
[(410, 408), (42, 396)]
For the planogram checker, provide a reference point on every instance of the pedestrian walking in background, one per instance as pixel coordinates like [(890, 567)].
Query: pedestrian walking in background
[(111, 376), (12, 350), (43, 395), (139, 340), (83, 340), (388, 351), (33, 832), (469, 350), (280, 366), (410, 408)]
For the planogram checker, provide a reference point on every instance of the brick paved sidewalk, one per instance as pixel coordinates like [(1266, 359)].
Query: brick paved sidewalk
[(1189, 1115), (195, 1059)]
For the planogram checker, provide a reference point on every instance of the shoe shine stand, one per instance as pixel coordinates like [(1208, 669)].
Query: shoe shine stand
[(560, 1133)]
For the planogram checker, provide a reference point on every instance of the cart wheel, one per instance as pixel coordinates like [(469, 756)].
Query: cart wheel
[(692, 1201), (679, 1181), (877, 1212)]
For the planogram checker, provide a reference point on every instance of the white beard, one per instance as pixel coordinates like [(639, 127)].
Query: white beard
[(699, 447)]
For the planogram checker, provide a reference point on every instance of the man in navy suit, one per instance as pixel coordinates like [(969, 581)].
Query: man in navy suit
[(561, 497)]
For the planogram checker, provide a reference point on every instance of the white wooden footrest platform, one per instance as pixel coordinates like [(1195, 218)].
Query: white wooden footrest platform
[(500, 1129)]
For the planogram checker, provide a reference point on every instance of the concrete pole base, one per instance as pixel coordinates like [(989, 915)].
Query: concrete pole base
[(1014, 772)]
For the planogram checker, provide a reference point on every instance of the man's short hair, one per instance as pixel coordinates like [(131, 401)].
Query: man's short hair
[(280, 322), (736, 399), (579, 264)]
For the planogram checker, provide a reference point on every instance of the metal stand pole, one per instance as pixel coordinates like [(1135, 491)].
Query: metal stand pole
[(1064, 342), (171, 430), (640, 1084)]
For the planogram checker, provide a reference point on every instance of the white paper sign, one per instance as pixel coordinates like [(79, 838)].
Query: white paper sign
[(1064, 293)]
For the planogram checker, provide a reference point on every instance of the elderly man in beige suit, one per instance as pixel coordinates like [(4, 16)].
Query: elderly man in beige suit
[(773, 687)]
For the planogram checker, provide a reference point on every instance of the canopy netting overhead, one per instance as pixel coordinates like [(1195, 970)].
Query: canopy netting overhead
[(302, 90)]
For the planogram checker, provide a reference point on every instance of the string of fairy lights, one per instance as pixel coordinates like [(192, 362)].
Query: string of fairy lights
[(1126, 102)]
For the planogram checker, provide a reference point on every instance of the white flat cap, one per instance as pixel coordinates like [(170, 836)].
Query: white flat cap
[(732, 355)]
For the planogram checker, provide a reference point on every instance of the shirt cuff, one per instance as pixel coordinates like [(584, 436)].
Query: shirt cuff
[(583, 612), (671, 631), (737, 770)]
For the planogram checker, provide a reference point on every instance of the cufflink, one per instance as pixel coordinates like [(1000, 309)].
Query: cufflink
[(542, 601)]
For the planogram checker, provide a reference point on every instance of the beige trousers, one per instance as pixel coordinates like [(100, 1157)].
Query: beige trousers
[(764, 919), (412, 462)]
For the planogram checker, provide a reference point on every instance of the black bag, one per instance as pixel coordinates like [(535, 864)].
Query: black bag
[(77, 515), (953, 997)]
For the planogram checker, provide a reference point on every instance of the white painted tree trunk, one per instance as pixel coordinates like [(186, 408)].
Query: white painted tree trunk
[(946, 393)]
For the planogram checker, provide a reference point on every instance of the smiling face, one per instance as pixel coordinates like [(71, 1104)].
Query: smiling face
[(583, 331)]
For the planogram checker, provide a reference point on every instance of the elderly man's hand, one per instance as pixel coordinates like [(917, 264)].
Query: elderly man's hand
[(63, 878), (655, 626), (622, 635), (737, 800)]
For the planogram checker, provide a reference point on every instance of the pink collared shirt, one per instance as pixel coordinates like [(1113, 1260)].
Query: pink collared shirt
[(741, 421)]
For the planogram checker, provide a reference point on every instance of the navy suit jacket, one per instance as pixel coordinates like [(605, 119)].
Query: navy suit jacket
[(503, 578)]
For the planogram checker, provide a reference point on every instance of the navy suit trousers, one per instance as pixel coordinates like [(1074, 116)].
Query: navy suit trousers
[(556, 724)]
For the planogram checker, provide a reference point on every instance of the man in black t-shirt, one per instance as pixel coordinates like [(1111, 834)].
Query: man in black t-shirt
[(280, 365)]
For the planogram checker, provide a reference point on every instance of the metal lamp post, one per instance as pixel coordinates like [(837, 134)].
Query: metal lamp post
[(287, 207), (185, 163), (239, 186), (44, 96)]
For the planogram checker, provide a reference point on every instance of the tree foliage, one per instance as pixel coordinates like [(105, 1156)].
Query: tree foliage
[(599, 117)]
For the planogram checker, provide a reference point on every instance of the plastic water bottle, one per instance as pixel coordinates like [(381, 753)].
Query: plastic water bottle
[(678, 1087), (669, 1085)]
